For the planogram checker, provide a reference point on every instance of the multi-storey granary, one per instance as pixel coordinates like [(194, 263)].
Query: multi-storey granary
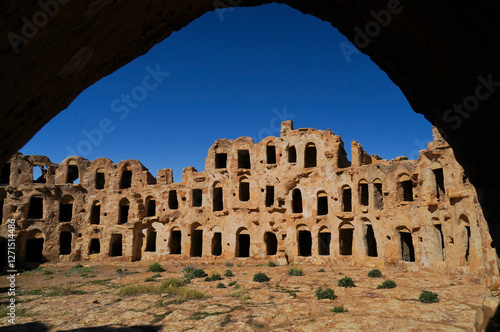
[(290, 198)]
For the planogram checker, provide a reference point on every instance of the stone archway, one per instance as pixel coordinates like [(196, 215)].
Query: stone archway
[(451, 80)]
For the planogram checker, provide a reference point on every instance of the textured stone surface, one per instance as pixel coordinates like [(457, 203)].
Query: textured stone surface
[(415, 215)]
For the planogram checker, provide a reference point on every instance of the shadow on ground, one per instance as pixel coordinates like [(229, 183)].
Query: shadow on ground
[(40, 327)]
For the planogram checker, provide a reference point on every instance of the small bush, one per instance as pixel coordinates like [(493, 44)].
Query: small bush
[(260, 277), (61, 290), (213, 277), (326, 293), (228, 274), (232, 283), (428, 297), (346, 282), (387, 284), (191, 273), (229, 264), (321, 270), (220, 285), (338, 309), (295, 272), (271, 264), (375, 273), (155, 267), (47, 272), (199, 273), (172, 282)]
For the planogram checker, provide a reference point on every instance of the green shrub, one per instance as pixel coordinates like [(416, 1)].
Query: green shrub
[(428, 297), (271, 264), (346, 282), (229, 264), (321, 270), (326, 293), (387, 284), (295, 272), (375, 273), (191, 272), (221, 285), (260, 277), (155, 267), (213, 277), (232, 283), (338, 309), (228, 274)]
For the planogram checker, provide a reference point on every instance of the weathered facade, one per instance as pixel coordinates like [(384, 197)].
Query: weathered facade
[(290, 198)]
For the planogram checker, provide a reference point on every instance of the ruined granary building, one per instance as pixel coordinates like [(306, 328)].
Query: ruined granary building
[(295, 197)]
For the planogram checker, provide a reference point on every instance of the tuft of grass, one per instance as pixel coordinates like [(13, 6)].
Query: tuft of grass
[(213, 277), (226, 320), (338, 309), (321, 270), (229, 264), (295, 272), (232, 283), (61, 290), (172, 282), (326, 293), (228, 274), (387, 284), (271, 264), (346, 282), (375, 273), (155, 267), (221, 285), (47, 272), (152, 278), (237, 287), (261, 277), (79, 268), (132, 290), (428, 297), (241, 293)]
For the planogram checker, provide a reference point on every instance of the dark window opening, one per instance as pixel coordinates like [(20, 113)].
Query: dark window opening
[(310, 156), (65, 212), (244, 159), (305, 243), (197, 243), (407, 190), (217, 244), (322, 205), (34, 250), (292, 155), (271, 243), (5, 175), (100, 180), (271, 154), (378, 197), (346, 200), (218, 204), (151, 241), (269, 196), (115, 248), (173, 203), (39, 174), (151, 209), (467, 243), (126, 181), (65, 243), (407, 251), (296, 201), (175, 242), (438, 174), (95, 246), (439, 232), (243, 245), (324, 240), (35, 210), (220, 160), (95, 214), (1, 212), (244, 190), (345, 235), (72, 175), (363, 194), (124, 209), (197, 197), (371, 242)]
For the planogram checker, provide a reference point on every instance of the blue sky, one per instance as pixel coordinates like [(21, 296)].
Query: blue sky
[(232, 77)]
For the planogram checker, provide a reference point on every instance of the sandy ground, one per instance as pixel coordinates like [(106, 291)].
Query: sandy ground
[(285, 303)]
